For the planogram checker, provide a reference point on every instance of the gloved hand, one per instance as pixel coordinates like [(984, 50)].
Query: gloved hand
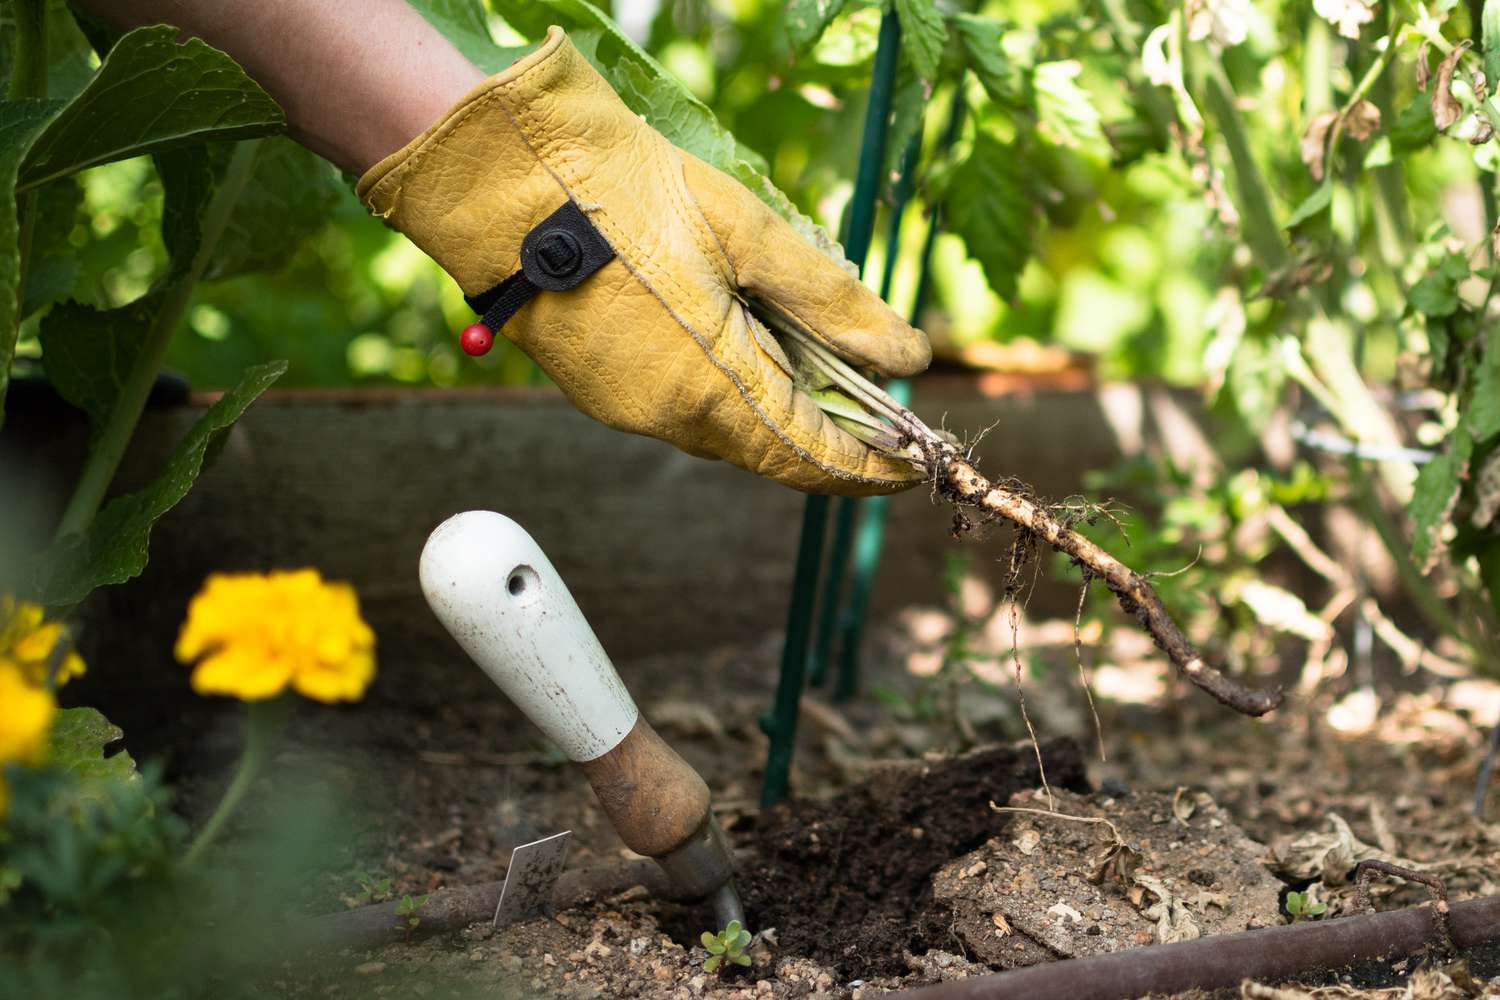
[(660, 341)]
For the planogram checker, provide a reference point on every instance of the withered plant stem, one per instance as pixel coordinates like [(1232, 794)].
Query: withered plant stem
[(956, 478)]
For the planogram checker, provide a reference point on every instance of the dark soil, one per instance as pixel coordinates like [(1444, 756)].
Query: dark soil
[(848, 882)]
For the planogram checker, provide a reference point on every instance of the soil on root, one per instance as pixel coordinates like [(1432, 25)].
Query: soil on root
[(848, 882)]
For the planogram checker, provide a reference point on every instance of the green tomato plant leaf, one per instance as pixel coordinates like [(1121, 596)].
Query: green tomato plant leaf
[(923, 35), (987, 204), (1435, 494), (151, 94), (52, 267), (78, 739), (114, 549)]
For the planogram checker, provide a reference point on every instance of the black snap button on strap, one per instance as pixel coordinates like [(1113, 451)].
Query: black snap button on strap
[(559, 253)]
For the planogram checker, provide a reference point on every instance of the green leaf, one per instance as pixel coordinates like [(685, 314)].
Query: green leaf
[(1065, 113), (1312, 205), (1435, 494), (980, 40), (20, 123), (716, 947), (52, 266), (79, 736), (742, 960), (1434, 294), (708, 939), (87, 353), (289, 195), (923, 35), (1413, 128), (987, 205), (114, 549), (712, 963), (151, 94), (806, 20)]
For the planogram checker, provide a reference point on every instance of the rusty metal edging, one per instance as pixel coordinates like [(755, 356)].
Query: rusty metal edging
[(1224, 961)]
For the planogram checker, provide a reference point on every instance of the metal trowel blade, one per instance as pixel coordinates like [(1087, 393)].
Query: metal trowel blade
[(533, 870)]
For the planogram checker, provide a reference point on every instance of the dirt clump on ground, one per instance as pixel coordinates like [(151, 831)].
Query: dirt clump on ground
[(848, 882), (1084, 875)]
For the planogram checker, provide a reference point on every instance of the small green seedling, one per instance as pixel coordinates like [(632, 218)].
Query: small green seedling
[(1301, 907), (406, 911), (374, 888), (727, 945)]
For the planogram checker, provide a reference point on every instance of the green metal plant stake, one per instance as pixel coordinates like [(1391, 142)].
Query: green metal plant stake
[(781, 724)]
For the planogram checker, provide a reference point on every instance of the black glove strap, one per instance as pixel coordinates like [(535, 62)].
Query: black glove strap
[(558, 254)]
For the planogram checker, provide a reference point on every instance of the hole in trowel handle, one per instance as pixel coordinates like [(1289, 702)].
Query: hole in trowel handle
[(523, 585)]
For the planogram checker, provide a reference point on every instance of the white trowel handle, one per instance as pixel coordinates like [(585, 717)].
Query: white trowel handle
[(495, 591)]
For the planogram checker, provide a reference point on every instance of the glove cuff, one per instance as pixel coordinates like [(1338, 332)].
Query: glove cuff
[(469, 188)]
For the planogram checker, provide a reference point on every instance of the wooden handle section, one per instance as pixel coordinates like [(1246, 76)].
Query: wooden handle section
[(654, 798)]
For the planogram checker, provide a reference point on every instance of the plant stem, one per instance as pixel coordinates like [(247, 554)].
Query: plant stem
[(109, 448), (961, 483), (264, 720), (28, 74)]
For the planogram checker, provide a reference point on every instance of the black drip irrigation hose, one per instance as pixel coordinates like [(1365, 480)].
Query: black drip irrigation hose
[(1276, 954)]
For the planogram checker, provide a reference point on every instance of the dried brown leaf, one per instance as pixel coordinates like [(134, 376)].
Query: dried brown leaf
[(1315, 142), (1362, 121), (1445, 107)]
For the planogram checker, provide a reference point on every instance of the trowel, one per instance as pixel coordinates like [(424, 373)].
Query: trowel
[(495, 591)]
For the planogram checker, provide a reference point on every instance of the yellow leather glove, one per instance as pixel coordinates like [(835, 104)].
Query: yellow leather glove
[(660, 341)]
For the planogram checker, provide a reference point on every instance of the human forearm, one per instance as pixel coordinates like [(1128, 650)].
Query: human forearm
[(357, 80)]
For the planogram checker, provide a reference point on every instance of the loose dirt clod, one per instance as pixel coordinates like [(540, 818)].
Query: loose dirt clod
[(1103, 875), (848, 882)]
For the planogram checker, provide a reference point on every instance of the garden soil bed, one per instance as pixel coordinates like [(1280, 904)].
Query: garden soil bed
[(438, 778)]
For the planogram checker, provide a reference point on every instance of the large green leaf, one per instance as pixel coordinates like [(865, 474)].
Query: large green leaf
[(87, 353), (923, 35), (805, 21), (1435, 494), (289, 195), (466, 24), (114, 549), (78, 738), (151, 94), (663, 101), (987, 205)]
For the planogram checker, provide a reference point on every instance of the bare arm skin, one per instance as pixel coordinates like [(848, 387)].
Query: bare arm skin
[(358, 78)]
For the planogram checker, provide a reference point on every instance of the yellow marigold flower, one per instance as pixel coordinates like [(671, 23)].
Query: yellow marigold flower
[(29, 642), (254, 634), (26, 713)]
